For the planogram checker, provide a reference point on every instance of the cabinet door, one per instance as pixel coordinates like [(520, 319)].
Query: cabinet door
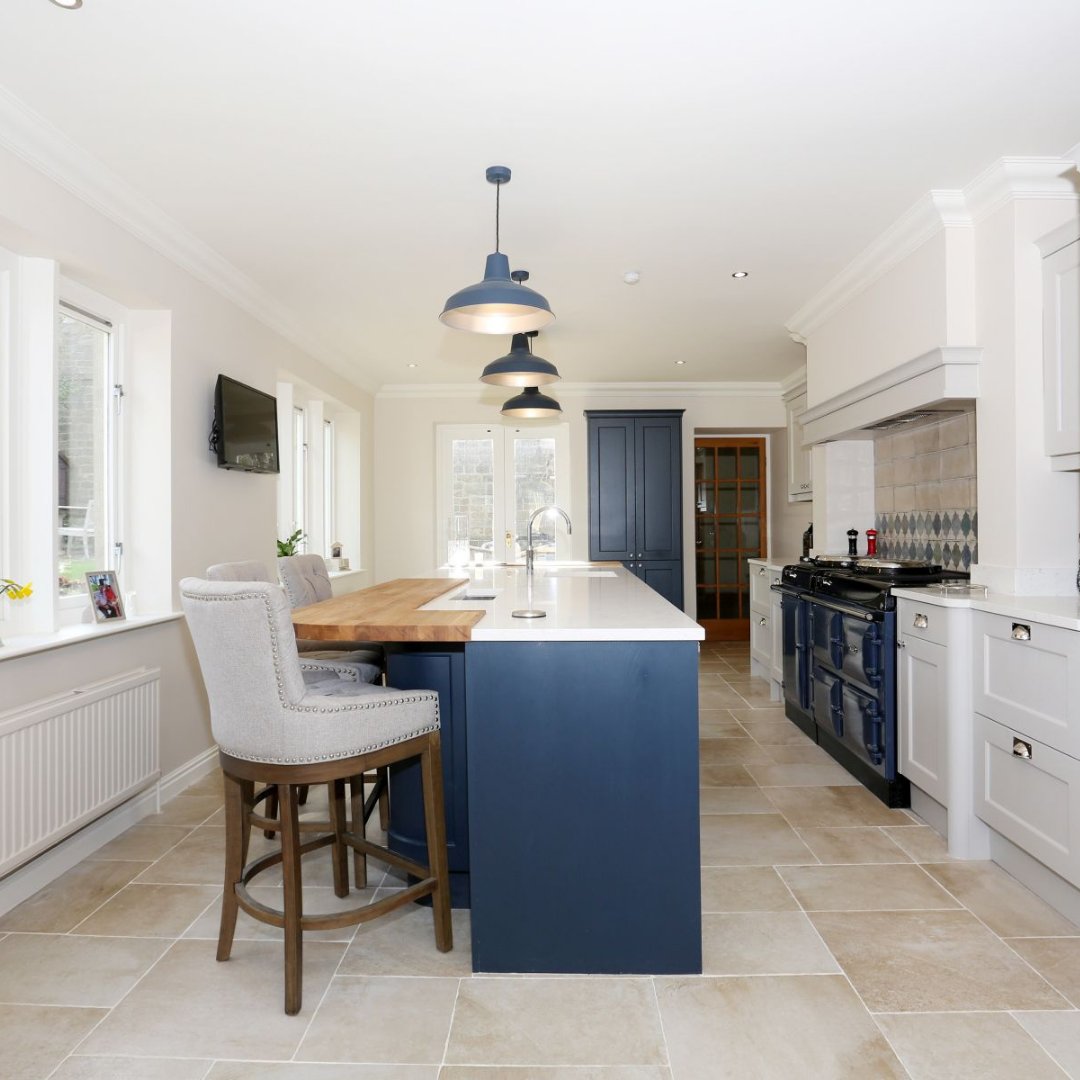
[(664, 577), (800, 478), (761, 636), (921, 718), (612, 530), (1061, 352), (658, 498), (776, 648)]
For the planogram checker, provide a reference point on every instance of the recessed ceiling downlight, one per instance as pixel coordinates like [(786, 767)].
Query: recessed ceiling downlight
[(741, 274), (71, 5)]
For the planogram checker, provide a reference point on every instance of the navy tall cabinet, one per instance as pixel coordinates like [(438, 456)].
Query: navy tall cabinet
[(635, 494)]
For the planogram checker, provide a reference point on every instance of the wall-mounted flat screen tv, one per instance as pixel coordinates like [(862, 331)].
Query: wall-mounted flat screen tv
[(245, 427)]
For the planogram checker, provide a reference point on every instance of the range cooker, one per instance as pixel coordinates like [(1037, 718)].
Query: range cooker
[(839, 659)]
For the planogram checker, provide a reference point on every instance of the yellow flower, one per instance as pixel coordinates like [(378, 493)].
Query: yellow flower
[(14, 590)]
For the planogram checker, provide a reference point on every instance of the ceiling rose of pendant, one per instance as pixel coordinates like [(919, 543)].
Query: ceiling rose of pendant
[(498, 304)]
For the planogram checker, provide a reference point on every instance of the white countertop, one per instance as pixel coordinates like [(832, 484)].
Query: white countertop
[(582, 601), (1063, 611)]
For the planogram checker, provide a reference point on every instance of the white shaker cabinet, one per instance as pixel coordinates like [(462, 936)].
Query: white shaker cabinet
[(766, 659), (1061, 346), (934, 718), (1028, 736)]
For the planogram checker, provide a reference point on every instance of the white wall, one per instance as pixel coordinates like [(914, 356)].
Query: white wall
[(215, 514), (405, 422)]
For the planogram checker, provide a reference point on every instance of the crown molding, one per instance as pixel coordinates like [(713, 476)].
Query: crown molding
[(933, 212), (33, 139), (651, 390), (1020, 178), (1006, 179), (794, 384)]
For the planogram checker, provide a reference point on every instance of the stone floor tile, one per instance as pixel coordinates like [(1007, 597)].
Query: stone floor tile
[(110, 1067), (921, 842), (1058, 1033), (750, 840), (62, 969), (763, 943), (187, 810), (861, 844), (64, 903), (931, 961), (393, 1020), (142, 843), (302, 1070), (150, 911), (770, 732), (966, 1046), (36, 1038), (725, 776), (804, 753), (565, 1021), (235, 1007), (1006, 906), (744, 888), (816, 807), (879, 887), (743, 751), (735, 800), (825, 774), (199, 859), (771, 1027), (1056, 959), (403, 943), (570, 1072)]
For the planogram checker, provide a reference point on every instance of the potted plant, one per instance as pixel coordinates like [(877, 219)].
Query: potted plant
[(291, 544)]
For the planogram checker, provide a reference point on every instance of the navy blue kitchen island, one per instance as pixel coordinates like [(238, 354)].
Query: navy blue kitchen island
[(570, 750)]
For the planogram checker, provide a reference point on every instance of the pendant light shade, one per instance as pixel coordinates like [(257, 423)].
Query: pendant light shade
[(498, 304), (530, 404), (519, 367)]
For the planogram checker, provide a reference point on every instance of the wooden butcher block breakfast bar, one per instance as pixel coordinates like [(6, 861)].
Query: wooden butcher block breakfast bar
[(570, 756)]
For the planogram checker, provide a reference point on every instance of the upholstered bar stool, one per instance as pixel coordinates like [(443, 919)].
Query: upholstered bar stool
[(271, 725), (368, 664)]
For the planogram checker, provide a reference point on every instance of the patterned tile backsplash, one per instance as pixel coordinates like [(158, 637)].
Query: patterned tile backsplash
[(925, 494)]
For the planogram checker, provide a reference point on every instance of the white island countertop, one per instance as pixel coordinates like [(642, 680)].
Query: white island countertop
[(582, 602)]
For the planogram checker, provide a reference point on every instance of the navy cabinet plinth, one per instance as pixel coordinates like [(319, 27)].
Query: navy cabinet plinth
[(635, 494), (439, 668), (583, 806)]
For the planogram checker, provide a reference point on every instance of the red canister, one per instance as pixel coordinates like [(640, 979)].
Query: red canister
[(871, 542)]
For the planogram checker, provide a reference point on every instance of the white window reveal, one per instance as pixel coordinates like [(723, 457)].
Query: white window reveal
[(490, 480), (88, 412)]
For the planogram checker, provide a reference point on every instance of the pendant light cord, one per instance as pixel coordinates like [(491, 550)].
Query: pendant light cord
[(498, 189)]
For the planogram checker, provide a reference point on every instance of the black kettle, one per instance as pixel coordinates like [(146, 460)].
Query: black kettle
[(808, 540)]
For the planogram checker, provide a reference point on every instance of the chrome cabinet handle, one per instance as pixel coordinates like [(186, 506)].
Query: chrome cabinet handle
[(853, 649), (1021, 632), (760, 570), (1021, 749), (921, 621), (763, 621), (776, 581), (901, 644)]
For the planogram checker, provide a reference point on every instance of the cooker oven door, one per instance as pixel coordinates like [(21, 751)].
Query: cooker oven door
[(851, 643)]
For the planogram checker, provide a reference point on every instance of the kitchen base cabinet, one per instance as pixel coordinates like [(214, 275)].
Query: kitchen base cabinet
[(766, 625), (1030, 793), (934, 718)]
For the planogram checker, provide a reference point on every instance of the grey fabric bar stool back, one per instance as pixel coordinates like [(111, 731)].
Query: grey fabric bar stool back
[(270, 724), (367, 657)]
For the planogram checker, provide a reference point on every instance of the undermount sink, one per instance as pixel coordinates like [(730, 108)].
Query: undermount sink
[(475, 595)]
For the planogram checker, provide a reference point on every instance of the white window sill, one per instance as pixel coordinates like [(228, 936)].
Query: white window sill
[(334, 574), (27, 644)]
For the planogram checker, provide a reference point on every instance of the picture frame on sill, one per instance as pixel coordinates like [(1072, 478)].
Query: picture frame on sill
[(104, 592)]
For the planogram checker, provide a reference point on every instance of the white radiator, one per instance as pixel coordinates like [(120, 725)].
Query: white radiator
[(68, 759)]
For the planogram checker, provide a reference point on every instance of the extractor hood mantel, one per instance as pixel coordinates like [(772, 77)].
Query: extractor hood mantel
[(933, 382)]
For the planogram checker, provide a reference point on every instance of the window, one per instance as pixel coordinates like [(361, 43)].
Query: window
[(490, 480), (87, 426)]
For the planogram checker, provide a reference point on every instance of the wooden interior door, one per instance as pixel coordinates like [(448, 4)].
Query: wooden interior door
[(730, 527)]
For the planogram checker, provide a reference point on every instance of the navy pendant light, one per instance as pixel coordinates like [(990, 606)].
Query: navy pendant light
[(519, 367), (530, 404), (498, 304)]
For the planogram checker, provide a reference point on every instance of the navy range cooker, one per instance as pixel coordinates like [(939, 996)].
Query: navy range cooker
[(839, 662)]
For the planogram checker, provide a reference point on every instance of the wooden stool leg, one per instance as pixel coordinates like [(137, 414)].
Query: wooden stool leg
[(271, 811), (302, 791), (235, 813), (247, 787), (335, 791), (293, 898), (358, 817), (384, 798), (435, 824)]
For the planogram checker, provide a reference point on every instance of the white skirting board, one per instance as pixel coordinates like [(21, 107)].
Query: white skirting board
[(47, 867)]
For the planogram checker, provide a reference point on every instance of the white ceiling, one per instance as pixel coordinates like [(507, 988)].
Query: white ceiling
[(334, 152)]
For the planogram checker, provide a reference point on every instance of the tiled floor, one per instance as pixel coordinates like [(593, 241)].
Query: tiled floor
[(839, 941)]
